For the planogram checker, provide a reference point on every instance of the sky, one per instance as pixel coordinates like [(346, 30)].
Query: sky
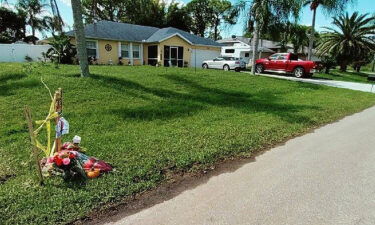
[(362, 6)]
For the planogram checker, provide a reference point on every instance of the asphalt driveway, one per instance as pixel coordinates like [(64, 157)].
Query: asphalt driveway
[(324, 177)]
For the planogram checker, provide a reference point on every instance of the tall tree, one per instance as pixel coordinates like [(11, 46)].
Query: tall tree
[(299, 37), (178, 17), (141, 12), (350, 40), (220, 10), (145, 12), (12, 26), (202, 14), (330, 7), (53, 24), (32, 9), (80, 37), (259, 14)]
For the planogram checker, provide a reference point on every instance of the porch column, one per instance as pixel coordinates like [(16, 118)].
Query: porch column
[(131, 53), (141, 53), (119, 49)]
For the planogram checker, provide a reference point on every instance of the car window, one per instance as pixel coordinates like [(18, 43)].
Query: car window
[(218, 59), (293, 57), (274, 56), (282, 57)]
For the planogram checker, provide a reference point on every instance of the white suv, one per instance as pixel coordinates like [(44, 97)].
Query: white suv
[(224, 63)]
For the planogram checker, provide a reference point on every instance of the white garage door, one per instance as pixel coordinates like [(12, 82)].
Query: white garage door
[(198, 56)]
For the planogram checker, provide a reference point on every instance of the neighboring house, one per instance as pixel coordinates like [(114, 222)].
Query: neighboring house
[(242, 47), (110, 42)]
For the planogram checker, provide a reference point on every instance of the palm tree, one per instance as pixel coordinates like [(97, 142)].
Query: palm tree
[(350, 40), (330, 7), (260, 13), (80, 37), (32, 8), (298, 37)]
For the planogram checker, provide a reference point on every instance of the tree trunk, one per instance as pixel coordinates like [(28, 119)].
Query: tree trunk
[(80, 37), (373, 65), (343, 66), (217, 22), (326, 71), (32, 29), (255, 47), (311, 43)]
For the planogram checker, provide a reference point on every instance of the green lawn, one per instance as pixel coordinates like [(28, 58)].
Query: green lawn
[(343, 76), (146, 121)]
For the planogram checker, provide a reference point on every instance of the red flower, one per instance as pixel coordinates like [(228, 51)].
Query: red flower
[(58, 161), (71, 155)]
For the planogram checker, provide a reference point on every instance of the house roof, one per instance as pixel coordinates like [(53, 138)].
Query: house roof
[(168, 32), (136, 33)]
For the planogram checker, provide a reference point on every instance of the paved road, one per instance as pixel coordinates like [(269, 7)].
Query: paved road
[(333, 83), (325, 177)]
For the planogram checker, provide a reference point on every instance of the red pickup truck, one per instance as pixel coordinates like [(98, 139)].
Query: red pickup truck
[(286, 63)]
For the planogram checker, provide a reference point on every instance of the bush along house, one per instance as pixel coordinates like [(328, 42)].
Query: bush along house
[(128, 44)]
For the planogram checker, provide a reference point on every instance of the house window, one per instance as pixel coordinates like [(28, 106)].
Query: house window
[(136, 50), (91, 48), (229, 50), (247, 54), (125, 50)]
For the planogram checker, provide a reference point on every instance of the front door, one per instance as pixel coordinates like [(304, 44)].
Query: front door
[(271, 63), (173, 56)]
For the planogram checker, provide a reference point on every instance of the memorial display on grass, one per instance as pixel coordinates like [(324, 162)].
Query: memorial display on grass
[(68, 160)]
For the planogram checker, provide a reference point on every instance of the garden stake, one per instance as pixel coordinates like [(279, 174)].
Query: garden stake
[(34, 148), (58, 109)]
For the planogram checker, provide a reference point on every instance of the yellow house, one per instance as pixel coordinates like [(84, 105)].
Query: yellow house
[(111, 42)]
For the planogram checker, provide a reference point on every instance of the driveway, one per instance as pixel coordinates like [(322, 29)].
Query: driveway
[(324, 177), (333, 83)]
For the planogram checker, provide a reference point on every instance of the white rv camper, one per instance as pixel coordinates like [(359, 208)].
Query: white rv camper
[(241, 47)]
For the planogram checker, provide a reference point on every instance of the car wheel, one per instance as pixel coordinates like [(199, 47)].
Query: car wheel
[(205, 66), (237, 69), (226, 68), (299, 72), (259, 68)]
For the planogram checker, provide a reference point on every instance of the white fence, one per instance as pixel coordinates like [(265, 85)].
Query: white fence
[(18, 52)]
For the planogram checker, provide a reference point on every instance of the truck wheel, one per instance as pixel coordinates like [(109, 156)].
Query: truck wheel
[(205, 66), (299, 72), (259, 68), (226, 68)]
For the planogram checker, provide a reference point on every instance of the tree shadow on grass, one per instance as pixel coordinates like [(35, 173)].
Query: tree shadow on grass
[(11, 77), (172, 104), (9, 88)]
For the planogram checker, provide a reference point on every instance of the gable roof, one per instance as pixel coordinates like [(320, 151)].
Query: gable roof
[(136, 33), (165, 33), (117, 31)]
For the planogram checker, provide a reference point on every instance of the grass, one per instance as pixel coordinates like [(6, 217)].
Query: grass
[(146, 121), (350, 76)]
